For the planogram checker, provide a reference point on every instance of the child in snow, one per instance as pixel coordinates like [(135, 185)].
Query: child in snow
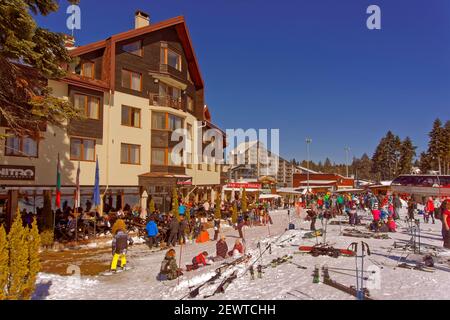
[(238, 249), (200, 260), (169, 268), (120, 245)]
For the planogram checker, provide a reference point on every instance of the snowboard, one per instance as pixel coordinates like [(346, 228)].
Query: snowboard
[(111, 273)]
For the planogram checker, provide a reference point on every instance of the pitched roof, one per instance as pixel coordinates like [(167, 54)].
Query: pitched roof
[(180, 26)]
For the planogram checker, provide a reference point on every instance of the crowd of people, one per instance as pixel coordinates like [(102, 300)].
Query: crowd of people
[(385, 210)]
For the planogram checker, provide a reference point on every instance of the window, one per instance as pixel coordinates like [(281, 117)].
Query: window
[(90, 105), (82, 149), (159, 156), (159, 120), (88, 70), (171, 58), (131, 80), (175, 122), (134, 48), (166, 121), (21, 147), (130, 154), (189, 76), (190, 104), (131, 117)]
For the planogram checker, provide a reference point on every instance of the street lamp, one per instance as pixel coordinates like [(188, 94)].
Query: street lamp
[(347, 150), (308, 142)]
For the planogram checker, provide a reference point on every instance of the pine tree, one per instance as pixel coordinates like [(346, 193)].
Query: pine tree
[(407, 154), (34, 243), (244, 201), (18, 260), (437, 145), (362, 167), (385, 161), (447, 148), (151, 206), (327, 166), (217, 212), (175, 205), (425, 163), (4, 263), (29, 54)]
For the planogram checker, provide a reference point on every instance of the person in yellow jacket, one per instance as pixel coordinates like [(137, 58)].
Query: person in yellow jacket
[(120, 245)]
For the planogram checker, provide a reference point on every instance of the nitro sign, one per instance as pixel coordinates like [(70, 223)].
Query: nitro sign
[(18, 173)]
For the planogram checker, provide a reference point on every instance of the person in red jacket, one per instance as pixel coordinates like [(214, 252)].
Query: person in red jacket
[(429, 209), (200, 260), (446, 224)]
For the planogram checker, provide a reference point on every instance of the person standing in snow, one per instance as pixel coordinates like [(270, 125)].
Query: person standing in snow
[(174, 228), (120, 245), (429, 208), (446, 225), (152, 233), (183, 225)]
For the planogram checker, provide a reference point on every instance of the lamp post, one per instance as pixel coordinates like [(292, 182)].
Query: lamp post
[(308, 142), (347, 150)]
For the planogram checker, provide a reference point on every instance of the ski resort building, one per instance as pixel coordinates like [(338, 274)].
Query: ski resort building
[(135, 88)]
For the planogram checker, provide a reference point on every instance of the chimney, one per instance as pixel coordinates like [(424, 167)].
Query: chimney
[(141, 19)]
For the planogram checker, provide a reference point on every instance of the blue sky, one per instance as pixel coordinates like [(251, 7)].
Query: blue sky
[(308, 67)]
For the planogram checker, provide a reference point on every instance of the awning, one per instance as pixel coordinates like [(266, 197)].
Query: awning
[(239, 190), (269, 196)]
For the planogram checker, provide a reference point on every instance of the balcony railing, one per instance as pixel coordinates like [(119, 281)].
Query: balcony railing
[(166, 101)]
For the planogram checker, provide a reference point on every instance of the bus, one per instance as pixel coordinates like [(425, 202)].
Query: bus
[(422, 185)]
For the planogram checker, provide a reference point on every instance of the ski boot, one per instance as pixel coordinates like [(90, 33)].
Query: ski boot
[(260, 272), (316, 275), (252, 273)]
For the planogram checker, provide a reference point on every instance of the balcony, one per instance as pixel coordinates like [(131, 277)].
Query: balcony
[(166, 101)]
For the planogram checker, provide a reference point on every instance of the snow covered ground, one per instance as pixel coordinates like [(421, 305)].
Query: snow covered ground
[(287, 281)]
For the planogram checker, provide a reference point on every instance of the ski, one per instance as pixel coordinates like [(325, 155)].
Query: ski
[(297, 265), (418, 267), (194, 293), (276, 262), (224, 285), (227, 265), (325, 250), (219, 271), (285, 240)]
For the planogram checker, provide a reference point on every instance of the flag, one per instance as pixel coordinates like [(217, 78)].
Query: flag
[(77, 189), (58, 185), (97, 185)]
